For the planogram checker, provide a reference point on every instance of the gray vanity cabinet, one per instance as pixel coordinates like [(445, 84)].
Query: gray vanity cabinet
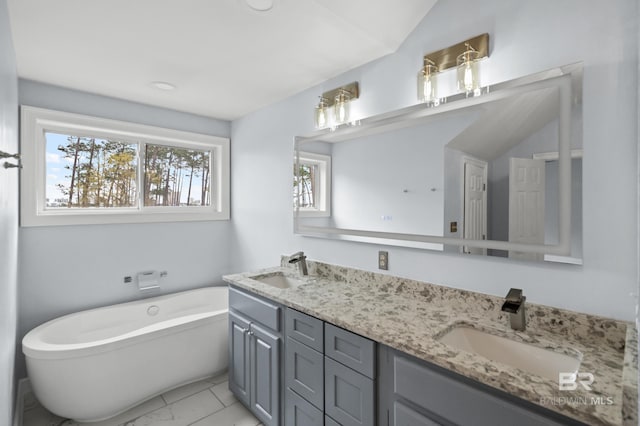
[(349, 377), (329, 374), (415, 393), (304, 369), (239, 366), (255, 354)]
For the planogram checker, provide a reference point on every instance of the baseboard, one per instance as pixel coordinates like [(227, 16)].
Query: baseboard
[(24, 386)]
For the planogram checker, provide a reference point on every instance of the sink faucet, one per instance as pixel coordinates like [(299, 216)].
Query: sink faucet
[(301, 260), (514, 305)]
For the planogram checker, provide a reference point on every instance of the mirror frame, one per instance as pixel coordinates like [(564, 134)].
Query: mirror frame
[(568, 79)]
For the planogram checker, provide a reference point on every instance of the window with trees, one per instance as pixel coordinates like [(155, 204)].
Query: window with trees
[(80, 169), (312, 185)]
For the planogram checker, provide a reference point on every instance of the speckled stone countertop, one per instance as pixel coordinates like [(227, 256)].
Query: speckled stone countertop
[(410, 316)]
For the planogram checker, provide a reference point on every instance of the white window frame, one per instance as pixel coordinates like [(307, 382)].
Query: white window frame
[(323, 195), (33, 212)]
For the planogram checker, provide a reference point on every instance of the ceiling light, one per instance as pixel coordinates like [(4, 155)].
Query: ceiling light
[(163, 85), (260, 5)]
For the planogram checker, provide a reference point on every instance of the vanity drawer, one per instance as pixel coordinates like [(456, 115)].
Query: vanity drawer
[(442, 396), (350, 349), (405, 416), (304, 372), (298, 412), (349, 397), (267, 314), (304, 328)]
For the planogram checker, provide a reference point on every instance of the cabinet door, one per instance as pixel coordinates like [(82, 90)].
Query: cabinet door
[(239, 371), (349, 396), (265, 375)]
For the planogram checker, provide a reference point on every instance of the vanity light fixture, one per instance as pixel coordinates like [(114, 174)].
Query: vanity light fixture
[(468, 73), (340, 99), (342, 106), (465, 56), (428, 82), (322, 109)]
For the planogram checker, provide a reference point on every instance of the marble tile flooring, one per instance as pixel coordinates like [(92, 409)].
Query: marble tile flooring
[(205, 403)]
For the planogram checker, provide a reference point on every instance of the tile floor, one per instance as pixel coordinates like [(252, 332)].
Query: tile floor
[(205, 403)]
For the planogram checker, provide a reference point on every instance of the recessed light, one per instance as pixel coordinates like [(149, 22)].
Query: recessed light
[(260, 5), (163, 85)]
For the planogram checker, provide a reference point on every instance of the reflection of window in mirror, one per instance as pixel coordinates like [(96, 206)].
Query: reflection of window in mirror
[(312, 185)]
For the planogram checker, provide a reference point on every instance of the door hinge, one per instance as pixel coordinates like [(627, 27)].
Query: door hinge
[(484, 186), (484, 237)]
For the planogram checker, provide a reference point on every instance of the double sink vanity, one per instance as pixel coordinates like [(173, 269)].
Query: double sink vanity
[(342, 346)]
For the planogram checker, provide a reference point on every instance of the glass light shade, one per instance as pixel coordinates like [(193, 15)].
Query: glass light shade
[(428, 83), (342, 107), (468, 72), (320, 116)]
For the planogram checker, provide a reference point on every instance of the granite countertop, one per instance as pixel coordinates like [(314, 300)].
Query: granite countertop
[(410, 316)]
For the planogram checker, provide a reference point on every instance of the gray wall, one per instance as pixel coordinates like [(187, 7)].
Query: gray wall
[(69, 268), (526, 37), (8, 217)]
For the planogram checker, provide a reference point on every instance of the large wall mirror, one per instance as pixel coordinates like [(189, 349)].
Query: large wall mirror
[(498, 174)]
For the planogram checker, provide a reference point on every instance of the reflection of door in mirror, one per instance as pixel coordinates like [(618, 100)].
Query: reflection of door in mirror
[(526, 205), (474, 221)]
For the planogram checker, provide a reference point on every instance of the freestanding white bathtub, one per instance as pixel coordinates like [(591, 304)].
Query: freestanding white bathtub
[(95, 364)]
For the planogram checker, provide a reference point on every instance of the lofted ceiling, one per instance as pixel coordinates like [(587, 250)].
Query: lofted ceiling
[(224, 59)]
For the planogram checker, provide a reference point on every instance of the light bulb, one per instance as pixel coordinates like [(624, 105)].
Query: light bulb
[(468, 73), (321, 114), (341, 107), (468, 77), (427, 82), (342, 113), (322, 119)]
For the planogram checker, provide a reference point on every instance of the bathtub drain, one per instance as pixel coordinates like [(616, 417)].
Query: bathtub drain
[(153, 310)]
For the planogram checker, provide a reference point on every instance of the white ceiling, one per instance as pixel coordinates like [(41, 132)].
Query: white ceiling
[(225, 59)]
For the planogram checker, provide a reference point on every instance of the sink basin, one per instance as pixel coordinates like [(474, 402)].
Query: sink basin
[(279, 280), (535, 360)]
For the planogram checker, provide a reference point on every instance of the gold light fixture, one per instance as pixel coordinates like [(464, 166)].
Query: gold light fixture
[(468, 72), (465, 56), (321, 117), (342, 106), (340, 99), (428, 82)]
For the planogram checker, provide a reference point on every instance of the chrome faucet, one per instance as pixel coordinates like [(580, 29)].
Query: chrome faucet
[(301, 260), (514, 305)]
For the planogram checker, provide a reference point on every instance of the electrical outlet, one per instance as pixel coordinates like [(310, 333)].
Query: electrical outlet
[(383, 260)]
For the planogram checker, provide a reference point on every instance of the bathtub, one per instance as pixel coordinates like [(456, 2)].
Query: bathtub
[(92, 365)]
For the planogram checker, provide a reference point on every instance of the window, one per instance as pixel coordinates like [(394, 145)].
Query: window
[(83, 170), (312, 185)]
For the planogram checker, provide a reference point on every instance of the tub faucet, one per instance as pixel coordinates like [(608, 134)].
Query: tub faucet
[(514, 305), (301, 260)]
